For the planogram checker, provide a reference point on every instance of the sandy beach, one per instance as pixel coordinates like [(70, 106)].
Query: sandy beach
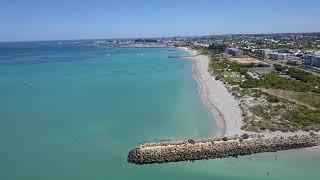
[(223, 106)]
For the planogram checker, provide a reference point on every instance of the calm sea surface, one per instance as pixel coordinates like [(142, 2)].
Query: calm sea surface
[(72, 112)]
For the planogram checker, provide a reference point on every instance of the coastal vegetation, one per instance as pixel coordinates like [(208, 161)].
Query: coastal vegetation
[(217, 48), (310, 98), (213, 49), (287, 99), (202, 50), (276, 81)]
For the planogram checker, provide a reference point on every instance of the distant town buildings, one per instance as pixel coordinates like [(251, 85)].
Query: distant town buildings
[(201, 44), (285, 51), (235, 52), (312, 60), (279, 56), (288, 48), (225, 55), (265, 53)]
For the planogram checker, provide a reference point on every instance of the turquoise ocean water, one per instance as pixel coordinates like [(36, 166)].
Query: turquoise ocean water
[(72, 112)]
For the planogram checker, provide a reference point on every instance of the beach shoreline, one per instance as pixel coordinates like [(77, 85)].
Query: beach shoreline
[(223, 107)]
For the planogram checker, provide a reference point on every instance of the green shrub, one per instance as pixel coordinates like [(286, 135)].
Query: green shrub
[(312, 99), (279, 68), (304, 116), (272, 99)]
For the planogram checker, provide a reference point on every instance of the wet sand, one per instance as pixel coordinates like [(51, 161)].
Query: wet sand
[(223, 106)]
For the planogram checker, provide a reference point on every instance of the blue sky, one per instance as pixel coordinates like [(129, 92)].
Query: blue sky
[(83, 19)]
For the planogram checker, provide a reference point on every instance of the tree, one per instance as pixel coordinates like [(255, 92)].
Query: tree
[(279, 68), (217, 48)]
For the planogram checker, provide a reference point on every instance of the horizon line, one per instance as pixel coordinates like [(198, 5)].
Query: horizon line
[(181, 36)]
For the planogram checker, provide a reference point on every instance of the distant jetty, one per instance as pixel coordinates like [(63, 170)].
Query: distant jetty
[(191, 150)]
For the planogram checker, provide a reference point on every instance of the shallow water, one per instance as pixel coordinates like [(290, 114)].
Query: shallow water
[(73, 112)]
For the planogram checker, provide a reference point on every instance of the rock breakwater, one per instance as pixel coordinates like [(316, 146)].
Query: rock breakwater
[(191, 150)]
